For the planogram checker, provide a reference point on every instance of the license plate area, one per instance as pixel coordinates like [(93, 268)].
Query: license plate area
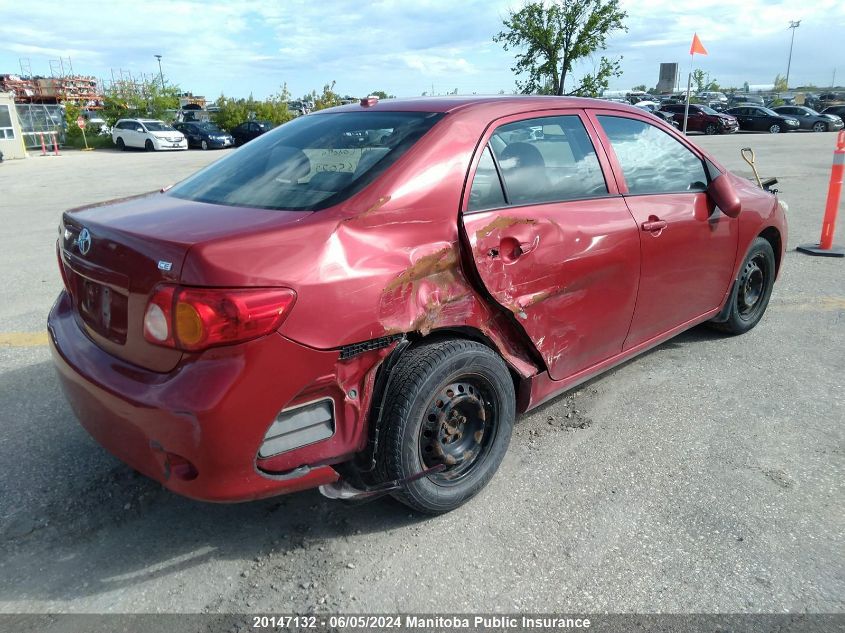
[(102, 307)]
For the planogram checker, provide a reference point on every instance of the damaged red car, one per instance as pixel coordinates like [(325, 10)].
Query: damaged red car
[(365, 298)]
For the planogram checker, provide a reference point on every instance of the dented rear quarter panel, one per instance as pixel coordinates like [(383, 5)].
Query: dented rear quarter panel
[(386, 261)]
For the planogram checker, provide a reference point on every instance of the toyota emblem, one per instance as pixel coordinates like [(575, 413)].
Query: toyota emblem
[(83, 242)]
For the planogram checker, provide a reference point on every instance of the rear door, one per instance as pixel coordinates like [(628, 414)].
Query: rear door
[(688, 246), (551, 239)]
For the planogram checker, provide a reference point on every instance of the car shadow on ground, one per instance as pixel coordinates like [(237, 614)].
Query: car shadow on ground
[(98, 526)]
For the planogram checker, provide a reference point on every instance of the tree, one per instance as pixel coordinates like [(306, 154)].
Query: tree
[(640, 88), (553, 36), (147, 99), (703, 82), (327, 99), (780, 83), (381, 94)]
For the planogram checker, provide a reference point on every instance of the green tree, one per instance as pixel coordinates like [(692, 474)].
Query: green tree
[(641, 88), (552, 36), (327, 99), (147, 99), (780, 83), (381, 94), (702, 81)]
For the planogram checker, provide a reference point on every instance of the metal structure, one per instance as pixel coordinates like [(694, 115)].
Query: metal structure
[(160, 73), (793, 24)]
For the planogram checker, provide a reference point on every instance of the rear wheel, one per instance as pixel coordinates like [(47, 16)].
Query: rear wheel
[(752, 290), (120, 144), (149, 146), (819, 126), (449, 403), (774, 128)]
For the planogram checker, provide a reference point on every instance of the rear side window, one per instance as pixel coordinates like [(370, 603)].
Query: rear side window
[(310, 163), (486, 192), (651, 160), (547, 159)]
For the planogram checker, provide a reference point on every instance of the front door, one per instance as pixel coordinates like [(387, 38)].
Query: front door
[(688, 247), (552, 241)]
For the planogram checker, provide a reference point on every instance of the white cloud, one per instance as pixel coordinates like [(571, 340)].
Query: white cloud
[(242, 46)]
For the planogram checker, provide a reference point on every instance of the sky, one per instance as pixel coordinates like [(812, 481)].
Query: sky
[(403, 47)]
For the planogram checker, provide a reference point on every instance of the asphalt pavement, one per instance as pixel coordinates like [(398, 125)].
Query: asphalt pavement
[(704, 476)]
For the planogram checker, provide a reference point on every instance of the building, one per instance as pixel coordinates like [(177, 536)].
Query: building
[(11, 138)]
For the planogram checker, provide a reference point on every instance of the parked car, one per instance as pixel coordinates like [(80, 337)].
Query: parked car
[(709, 96), (810, 119), (759, 119), (660, 114), (204, 135), (831, 98), (150, 134), (702, 119), (838, 110), (372, 318), (249, 130), (741, 98)]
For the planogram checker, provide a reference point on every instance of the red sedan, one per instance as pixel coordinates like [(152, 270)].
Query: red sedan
[(364, 298)]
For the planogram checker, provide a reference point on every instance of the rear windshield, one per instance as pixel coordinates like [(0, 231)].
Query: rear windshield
[(311, 163)]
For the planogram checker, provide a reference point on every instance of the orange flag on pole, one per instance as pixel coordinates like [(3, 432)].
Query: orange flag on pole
[(697, 46)]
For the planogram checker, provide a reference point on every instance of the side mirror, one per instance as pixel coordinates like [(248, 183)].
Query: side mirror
[(722, 192)]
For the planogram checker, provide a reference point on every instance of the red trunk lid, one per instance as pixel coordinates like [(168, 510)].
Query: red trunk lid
[(113, 255)]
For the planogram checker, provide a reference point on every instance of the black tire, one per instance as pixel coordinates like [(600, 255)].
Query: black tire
[(148, 146), (120, 144), (775, 128), (752, 290), (204, 144), (819, 126), (711, 129), (471, 391)]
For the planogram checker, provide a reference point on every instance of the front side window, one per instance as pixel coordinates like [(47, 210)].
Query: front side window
[(651, 160), (6, 129), (547, 159), (309, 163)]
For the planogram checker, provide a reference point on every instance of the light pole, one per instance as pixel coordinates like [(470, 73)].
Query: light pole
[(793, 24), (161, 74)]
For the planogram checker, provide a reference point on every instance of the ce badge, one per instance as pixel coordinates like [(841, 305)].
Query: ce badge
[(83, 242)]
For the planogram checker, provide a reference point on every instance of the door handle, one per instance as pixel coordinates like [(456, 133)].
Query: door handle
[(653, 224)]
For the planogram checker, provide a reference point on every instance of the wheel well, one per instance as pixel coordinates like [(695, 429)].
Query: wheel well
[(772, 236), (364, 469), (471, 334)]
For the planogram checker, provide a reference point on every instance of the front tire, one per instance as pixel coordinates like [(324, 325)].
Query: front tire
[(149, 146), (204, 144), (711, 129), (752, 290), (774, 128), (450, 402), (819, 126)]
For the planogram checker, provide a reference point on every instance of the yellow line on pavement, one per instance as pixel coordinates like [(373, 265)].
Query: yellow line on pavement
[(23, 339), (812, 304)]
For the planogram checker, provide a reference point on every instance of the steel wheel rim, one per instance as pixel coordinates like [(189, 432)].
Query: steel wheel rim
[(774, 129), (459, 428), (752, 287)]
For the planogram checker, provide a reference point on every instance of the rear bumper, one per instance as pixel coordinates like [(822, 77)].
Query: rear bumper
[(212, 410)]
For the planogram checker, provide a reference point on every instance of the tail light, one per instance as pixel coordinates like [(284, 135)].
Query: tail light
[(193, 319)]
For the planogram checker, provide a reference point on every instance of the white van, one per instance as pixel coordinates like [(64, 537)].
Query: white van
[(150, 134)]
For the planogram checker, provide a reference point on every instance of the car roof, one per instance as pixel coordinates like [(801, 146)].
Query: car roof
[(493, 106)]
